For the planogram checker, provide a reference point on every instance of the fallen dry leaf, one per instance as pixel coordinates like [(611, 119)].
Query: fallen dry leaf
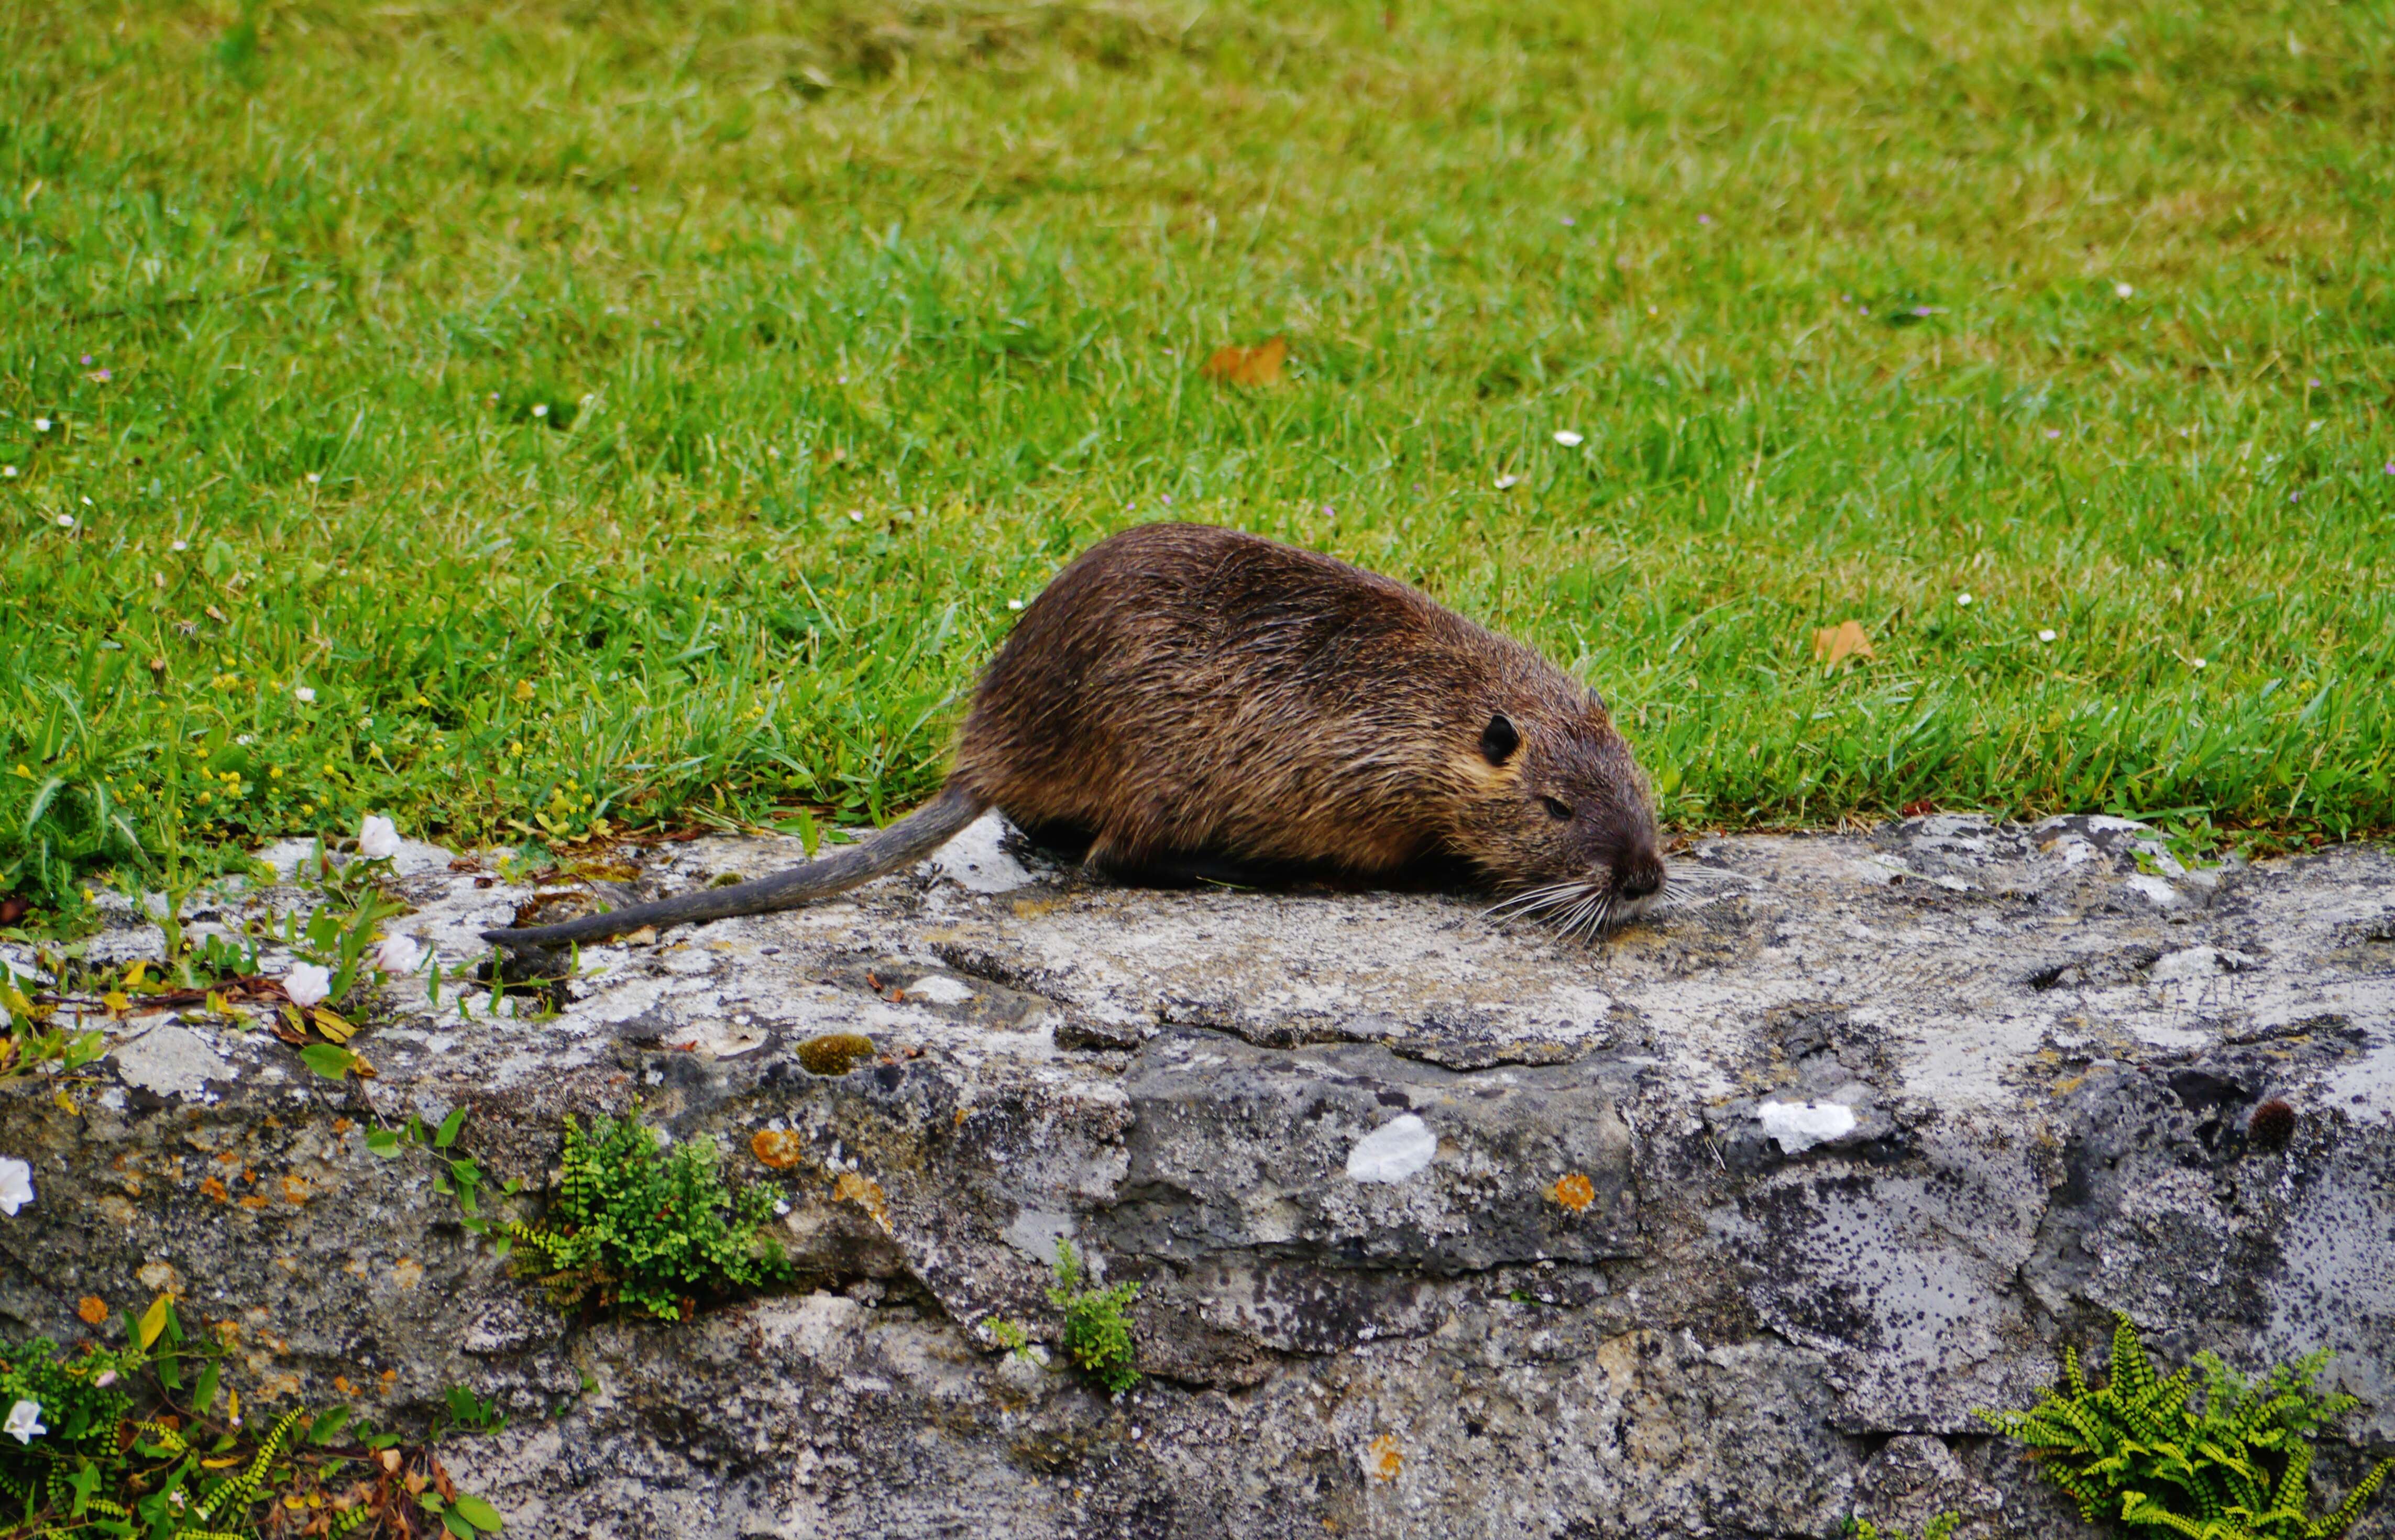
[(1834, 644), (1256, 366)]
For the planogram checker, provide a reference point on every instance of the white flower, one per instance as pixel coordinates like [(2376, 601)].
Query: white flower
[(1507, 482), (66, 521), (307, 984), (16, 1184), (540, 409), (2198, 663), (1566, 437), (1963, 600), (313, 478), (2123, 290), (855, 517), (24, 1421), (2046, 636), (377, 838), (1014, 603), (304, 694), (41, 425), (107, 1377), (180, 545), (9, 472), (399, 954)]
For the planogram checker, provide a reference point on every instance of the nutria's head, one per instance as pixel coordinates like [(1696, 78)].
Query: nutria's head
[(1559, 817)]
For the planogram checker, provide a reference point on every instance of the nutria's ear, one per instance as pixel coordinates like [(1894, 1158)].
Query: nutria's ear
[(1498, 741)]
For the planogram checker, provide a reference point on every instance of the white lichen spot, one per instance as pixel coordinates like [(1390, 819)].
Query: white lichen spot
[(2159, 892), (2191, 963), (1800, 1126), (1399, 1148), (939, 989), (170, 1061), (976, 860)]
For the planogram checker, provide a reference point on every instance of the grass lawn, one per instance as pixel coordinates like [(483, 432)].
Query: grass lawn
[(585, 415)]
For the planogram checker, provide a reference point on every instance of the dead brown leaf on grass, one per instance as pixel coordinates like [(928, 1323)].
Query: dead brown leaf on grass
[(1839, 644), (1256, 366)]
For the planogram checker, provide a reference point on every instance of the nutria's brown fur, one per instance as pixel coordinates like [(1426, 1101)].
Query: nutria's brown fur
[(1185, 701)]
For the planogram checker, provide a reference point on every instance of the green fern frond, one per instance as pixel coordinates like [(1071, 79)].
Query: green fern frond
[(2348, 1511), (2150, 1453), (2132, 1371), (238, 1493)]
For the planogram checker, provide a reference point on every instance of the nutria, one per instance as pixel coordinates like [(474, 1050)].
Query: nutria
[(1185, 703)]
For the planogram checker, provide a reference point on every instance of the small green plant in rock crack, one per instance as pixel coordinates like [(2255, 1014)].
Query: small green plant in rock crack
[(649, 1228), (2142, 1453), (456, 1174), (1096, 1334), (1940, 1528)]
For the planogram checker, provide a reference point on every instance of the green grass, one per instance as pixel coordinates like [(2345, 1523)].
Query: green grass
[(854, 319)]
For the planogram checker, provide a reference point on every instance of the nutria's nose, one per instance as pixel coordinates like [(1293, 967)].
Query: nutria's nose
[(1639, 876)]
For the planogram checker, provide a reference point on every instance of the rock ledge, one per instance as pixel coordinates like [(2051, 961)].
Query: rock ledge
[(1719, 1229)]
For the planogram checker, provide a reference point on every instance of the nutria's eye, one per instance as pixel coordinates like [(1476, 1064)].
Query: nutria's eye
[(1498, 741), (1555, 809)]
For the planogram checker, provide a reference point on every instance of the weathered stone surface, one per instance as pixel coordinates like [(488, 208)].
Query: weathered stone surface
[(1719, 1229)]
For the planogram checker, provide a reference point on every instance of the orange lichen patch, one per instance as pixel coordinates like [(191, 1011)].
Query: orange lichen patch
[(93, 1309), (866, 1193), (389, 1376), (253, 1201), (342, 1126), (407, 1272), (215, 1190), (297, 1190), (779, 1147), (1385, 1459), (1573, 1190)]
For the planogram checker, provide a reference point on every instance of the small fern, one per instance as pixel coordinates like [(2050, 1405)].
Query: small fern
[(2144, 1452), (645, 1227)]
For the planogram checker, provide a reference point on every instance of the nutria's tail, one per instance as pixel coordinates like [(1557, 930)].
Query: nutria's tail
[(901, 845)]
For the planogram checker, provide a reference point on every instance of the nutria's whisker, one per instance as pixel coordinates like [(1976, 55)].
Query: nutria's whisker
[(1547, 891), (1537, 900), (1696, 887)]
